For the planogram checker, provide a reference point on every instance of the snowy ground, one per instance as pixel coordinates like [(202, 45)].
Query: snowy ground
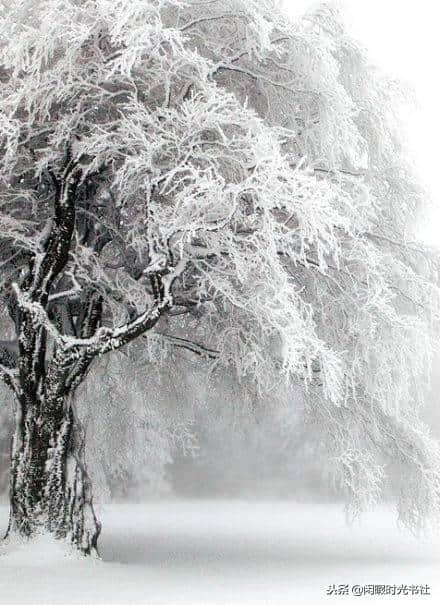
[(226, 553)]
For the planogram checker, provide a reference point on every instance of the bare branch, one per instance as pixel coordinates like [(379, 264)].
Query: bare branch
[(190, 345)]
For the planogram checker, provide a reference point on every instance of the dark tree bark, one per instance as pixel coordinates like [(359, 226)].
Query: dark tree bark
[(50, 489)]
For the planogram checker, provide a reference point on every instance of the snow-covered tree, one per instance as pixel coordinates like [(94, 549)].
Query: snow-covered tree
[(205, 174)]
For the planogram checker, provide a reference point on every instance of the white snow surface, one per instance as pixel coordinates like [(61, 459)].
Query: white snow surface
[(223, 552)]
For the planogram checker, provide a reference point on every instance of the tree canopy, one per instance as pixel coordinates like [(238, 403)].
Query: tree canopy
[(212, 176)]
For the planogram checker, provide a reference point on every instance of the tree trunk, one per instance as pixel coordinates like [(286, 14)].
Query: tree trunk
[(50, 490)]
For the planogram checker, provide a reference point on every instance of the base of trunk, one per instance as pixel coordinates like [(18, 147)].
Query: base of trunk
[(50, 490), (79, 538)]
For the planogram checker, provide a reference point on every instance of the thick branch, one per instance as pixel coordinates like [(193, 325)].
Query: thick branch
[(47, 267), (107, 339)]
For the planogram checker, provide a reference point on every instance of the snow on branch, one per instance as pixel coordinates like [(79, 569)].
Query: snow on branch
[(73, 291), (108, 339), (37, 312)]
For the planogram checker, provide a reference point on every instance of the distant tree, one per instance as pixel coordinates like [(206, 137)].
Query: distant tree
[(208, 175)]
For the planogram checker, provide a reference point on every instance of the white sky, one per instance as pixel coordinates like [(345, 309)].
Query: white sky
[(403, 38)]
